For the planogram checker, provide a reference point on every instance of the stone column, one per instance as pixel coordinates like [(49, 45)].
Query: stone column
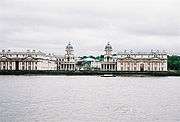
[(6, 65)]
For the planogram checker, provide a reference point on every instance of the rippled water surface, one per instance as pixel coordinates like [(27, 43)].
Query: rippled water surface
[(89, 99)]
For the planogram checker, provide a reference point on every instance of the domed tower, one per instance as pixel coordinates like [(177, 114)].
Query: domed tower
[(67, 63), (69, 49), (108, 53), (108, 49), (109, 64)]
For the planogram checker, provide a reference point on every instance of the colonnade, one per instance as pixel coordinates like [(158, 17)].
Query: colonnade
[(108, 67), (66, 67)]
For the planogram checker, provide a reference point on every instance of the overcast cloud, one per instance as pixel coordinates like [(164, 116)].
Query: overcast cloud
[(48, 25)]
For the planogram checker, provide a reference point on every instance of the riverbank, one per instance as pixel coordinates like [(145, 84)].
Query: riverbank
[(101, 73)]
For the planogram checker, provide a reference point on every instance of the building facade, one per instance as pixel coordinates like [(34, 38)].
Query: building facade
[(123, 61), (96, 64), (151, 61), (67, 62), (130, 61), (109, 62), (29, 60)]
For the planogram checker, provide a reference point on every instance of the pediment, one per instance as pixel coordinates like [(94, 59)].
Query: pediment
[(155, 58), (3, 58), (29, 59)]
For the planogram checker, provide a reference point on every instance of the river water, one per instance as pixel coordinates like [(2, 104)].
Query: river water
[(89, 99)]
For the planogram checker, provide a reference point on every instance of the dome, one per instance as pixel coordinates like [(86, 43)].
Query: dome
[(89, 60), (69, 46), (108, 47)]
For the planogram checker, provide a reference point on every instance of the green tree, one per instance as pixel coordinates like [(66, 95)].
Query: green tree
[(174, 62)]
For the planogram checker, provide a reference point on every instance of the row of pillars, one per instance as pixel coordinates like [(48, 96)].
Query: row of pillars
[(67, 67), (108, 67)]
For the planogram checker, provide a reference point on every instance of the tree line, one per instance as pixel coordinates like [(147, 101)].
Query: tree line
[(174, 62)]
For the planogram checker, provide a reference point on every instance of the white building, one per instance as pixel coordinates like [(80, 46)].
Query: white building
[(123, 61), (67, 62), (29, 60), (152, 61), (130, 61), (96, 64), (109, 63)]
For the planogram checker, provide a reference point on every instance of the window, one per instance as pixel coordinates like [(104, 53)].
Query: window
[(68, 59), (108, 58), (121, 68), (134, 68)]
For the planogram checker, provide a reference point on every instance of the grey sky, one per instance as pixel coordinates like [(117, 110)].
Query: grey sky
[(48, 25)]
